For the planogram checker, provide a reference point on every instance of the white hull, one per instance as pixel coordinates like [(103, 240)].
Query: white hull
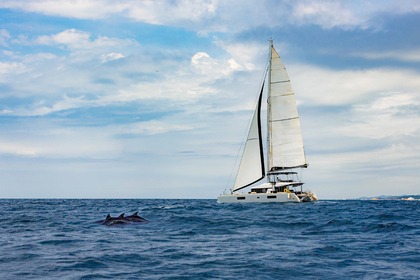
[(258, 197)]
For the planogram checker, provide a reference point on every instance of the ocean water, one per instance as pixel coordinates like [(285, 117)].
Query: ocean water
[(200, 239)]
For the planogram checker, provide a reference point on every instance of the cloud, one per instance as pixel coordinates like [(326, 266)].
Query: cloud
[(58, 83), (327, 14), (11, 68), (111, 56), (217, 68), (4, 37), (41, 109), (48, 140), (52, 140), (244, 53), (412, 56), (151, 128), (77, 39), (225, 16), (75, 9), (181, 12), (394, 115), (332, 87)]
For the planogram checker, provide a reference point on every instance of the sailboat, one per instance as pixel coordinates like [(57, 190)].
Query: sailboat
[(285, 152)]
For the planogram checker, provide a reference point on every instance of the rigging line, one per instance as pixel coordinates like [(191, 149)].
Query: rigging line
[(244, 139)]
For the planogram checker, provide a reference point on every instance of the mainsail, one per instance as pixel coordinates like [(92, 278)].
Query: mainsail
[(251, 168), (284, 134)]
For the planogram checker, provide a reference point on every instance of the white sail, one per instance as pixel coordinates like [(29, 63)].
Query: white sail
[(251, 167), (285, 137)]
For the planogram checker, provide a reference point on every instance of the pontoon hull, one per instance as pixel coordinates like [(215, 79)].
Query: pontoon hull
[(258, 197)]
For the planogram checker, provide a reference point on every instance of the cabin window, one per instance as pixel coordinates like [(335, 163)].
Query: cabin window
[(271, 196), (240, 197)]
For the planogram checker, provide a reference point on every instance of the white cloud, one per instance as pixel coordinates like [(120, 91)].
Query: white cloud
[(322, 86), (216, 68), (11, 68), (393, 115), (13, 148), (76, 9), (152, 127), (76, 39), (111, 56), (327, 14), (245, 54), (170, 12), (398, 55), (226, 16), (4, 37)]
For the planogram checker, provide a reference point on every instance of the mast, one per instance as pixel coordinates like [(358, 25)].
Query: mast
[(270, 43)]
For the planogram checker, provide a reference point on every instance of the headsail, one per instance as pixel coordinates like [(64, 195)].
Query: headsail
[(251, 168), (285, 137)]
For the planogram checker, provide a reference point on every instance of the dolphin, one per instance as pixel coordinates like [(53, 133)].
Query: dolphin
[(122, 220), (110, 221), (135, 218)]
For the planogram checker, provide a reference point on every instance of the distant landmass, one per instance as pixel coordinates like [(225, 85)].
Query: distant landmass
[(390, 197)]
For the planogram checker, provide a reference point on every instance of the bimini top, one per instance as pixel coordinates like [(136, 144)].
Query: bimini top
[(285, 184), (277, 172)]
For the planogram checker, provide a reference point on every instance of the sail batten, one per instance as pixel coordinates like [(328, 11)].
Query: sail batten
[(285, 119), (279, 82)]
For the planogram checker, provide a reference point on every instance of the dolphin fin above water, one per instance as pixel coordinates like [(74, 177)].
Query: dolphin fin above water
[(136, 218), (121, 219)]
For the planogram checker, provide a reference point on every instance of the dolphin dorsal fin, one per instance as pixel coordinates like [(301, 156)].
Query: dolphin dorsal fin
[(136, 213), (108, 216), (121, 216)]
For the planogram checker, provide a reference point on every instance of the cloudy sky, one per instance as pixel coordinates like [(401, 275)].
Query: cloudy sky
[(152, 99)]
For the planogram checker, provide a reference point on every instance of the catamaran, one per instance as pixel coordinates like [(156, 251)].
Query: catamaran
[(285, 151)]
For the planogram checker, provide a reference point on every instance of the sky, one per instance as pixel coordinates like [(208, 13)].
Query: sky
[(152, 99)]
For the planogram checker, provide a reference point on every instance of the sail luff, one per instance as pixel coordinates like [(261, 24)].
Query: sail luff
[(251, 168)]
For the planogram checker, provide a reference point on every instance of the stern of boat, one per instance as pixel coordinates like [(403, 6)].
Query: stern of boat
[(307, 197)]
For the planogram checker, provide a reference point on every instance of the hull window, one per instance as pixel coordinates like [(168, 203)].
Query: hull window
[(240, 197), (271, 196)]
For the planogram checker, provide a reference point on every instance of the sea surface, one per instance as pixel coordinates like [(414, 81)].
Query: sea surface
[(201, 239)]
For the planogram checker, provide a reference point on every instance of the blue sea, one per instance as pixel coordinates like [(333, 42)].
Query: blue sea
[(201, 239)]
